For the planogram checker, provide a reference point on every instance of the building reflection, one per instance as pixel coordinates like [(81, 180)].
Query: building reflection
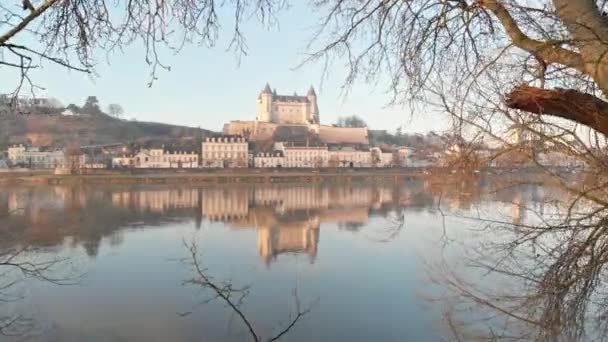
[(287, 219)]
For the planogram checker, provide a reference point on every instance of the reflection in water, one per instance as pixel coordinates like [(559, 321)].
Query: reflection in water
[(285, 216), (287, 221), (233, 297), (539, 276)]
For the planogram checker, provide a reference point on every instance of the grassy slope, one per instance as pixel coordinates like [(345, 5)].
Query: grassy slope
[(84, 130)]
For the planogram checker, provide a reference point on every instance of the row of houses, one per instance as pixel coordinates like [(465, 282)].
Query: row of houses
[(234, 152), (37, 158), (158, 159), (216, 152)]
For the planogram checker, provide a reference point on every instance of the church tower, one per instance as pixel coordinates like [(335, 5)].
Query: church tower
[(265, 105), (313, 111)]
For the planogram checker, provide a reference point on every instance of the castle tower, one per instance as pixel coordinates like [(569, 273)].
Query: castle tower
[(314, 109), (265, 105)]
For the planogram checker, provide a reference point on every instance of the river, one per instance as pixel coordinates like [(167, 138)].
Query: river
[(306, 262)]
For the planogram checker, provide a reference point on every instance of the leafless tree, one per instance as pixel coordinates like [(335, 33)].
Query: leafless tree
[(71, 34), (233, 296), (423, 46), (115, 110), (542, 278), (19, 263), (540, 66)]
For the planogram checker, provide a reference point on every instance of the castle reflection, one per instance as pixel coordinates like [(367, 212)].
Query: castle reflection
[(286, 218)]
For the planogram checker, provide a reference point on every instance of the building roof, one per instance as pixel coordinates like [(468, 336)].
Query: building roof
[(226, 136), (300, 147), (343, 135), (311, 92), (287, 98)]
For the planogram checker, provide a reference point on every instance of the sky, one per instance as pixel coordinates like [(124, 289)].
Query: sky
[(207, 87)]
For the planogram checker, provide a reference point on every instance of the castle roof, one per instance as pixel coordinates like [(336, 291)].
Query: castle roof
[(287, 98), (311, 91)]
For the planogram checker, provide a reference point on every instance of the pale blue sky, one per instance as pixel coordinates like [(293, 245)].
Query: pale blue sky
[(207, 87)]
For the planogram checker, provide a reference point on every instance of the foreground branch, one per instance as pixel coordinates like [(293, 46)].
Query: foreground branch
[(5, 37), (569, 104), (225, 292)]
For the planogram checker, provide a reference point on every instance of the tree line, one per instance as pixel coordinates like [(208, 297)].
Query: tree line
[(91, 106)]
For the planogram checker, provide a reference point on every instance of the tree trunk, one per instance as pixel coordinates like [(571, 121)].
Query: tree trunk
[(588, 32), (569, 104)]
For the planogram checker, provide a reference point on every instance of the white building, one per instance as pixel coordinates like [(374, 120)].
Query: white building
[(304, 156), (28, 102), (382, 158), (36, 158), (158, 159), (225, 151), (124, 161), (349, 157), (560, 159), (269, 159)]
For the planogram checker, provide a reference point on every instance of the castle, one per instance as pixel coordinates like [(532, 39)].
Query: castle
[(284, 109), (293, 119)]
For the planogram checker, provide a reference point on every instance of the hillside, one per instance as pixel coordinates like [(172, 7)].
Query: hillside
[(59, 130)]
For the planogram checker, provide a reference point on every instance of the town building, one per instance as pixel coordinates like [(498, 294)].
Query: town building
[(225, 151), (22, 102), (382, 157), (123, 161), (269, 159), (39, 158), (303, 156), (158, 159), (349, 157), (560, 159)]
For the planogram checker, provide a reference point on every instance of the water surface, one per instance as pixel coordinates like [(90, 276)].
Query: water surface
[(352, 258)]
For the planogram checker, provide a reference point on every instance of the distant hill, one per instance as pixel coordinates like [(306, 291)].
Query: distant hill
[(60, 130)]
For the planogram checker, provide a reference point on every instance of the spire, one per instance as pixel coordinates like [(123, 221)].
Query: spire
[(267, 89), (311, 91), (274, 91)]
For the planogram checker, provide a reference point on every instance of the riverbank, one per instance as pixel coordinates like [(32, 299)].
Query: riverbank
[(208, 176), (182, 176)]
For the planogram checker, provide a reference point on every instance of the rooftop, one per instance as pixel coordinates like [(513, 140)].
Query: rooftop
[(288, 98)]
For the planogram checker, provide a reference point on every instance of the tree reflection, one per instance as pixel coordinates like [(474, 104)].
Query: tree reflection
[(233, 297), (20, 263), (541, 279)]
